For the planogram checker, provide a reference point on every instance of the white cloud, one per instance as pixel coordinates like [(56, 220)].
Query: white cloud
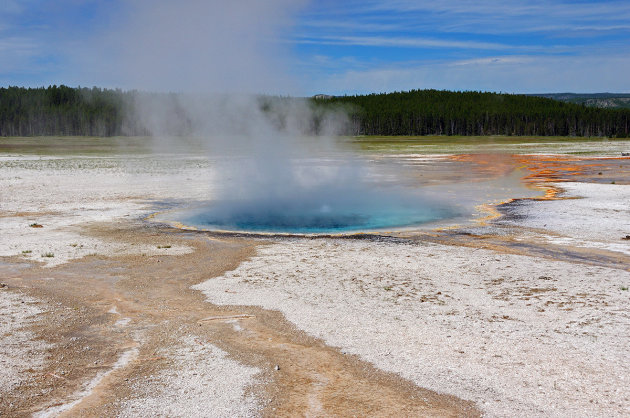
[(11, 6), (149, 44), (487, 16), (17, 54), (514, 74), (346, 25), (389, 41), (192, 46), (515, 8)]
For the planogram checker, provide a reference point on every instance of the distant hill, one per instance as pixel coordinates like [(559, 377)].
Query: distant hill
[(435, 112), (602, 100), (61, 110)]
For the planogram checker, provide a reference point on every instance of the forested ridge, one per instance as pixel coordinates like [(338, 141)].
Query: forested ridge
[(61, 110), (606, 100), (434, 112)]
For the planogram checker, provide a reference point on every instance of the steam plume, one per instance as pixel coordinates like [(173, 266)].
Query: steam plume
[(217, 55)]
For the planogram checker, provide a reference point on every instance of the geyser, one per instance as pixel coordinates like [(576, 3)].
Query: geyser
[(275, 161), (317, 212), (272, 173)]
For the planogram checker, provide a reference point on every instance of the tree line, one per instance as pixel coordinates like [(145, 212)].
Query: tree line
[(434, 112), (62, 110)]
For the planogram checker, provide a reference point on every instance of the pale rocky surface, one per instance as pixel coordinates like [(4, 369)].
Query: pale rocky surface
[(67, 194), (202, 381), (64, 193), (62, 407), (21, 353), (520, 336), (595, 215)]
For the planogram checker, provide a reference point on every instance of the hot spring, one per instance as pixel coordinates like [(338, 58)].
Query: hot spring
[(306, 215), (329, 194), (331, 206)]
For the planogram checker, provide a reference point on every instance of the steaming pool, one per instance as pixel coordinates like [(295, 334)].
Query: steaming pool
[(326, 195), (355, 208), (299, 217)]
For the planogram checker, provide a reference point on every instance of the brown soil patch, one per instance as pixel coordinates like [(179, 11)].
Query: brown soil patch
[(154, 293)]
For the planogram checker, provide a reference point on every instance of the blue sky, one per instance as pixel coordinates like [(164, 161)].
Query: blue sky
[(347, 47)]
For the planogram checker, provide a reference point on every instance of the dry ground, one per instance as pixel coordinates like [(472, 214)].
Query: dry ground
[(109, 325)]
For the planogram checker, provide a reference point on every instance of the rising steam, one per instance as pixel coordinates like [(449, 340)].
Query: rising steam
[(280, 166)]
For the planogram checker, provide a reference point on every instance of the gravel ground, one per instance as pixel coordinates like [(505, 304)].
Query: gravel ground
[(520, 336), (200, 382), (598, 217), (21, 354), (44, 201)]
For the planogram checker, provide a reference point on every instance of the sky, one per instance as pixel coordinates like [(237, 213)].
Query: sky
[(309, 47)]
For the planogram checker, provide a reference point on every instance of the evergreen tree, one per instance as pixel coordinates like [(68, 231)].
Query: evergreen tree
[(61, 110)]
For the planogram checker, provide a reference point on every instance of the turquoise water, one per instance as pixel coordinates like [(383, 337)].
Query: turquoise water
[(297, 217)]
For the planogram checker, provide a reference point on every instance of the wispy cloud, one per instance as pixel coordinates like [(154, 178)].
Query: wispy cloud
[(485, 44), (483, 16), (394, 44), (18, 45), (400, 42), (348, 25), (11, 6), (18, 54), (514, 74), (492, 9)]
